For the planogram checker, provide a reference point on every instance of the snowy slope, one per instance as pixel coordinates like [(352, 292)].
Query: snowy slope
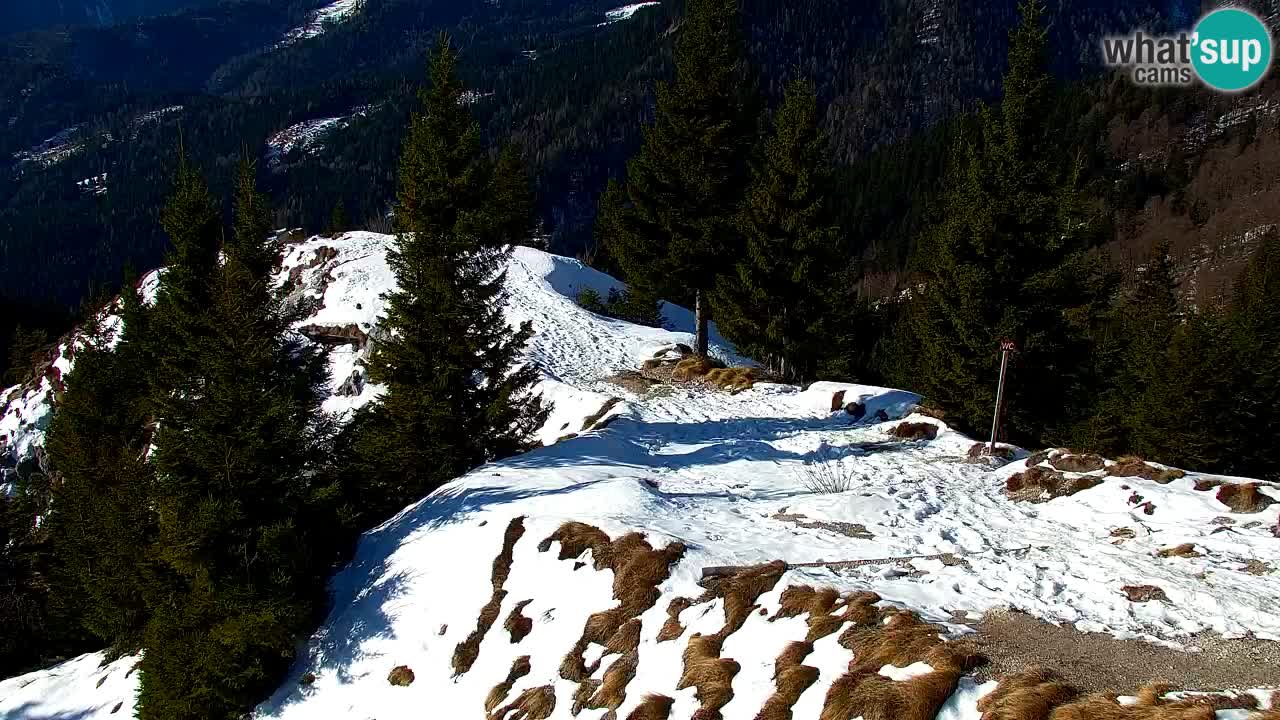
[(726, 476)]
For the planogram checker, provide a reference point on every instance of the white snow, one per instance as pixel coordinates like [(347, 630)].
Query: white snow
[(320, 19), (711, 470), (624, 12), (307, 135)]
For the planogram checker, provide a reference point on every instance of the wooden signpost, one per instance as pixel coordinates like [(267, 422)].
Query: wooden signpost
[(1006, 346)]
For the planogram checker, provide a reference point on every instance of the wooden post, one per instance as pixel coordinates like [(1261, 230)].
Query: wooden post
[(1006, 347)]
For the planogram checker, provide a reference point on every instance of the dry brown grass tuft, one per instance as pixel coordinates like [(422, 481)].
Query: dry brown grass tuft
[(1104, 707), (517, 624), (672, 629), (401, 676), (791, 684), (740, 592), (734, 379), (519, 668), (613, 690), (533, 704), (863, 692), (694, 367), (800, 599), (860, 609), (1030, 694), (1039, 484), (821, 626), (653, 707), (902, 640), (915, 431), (1068, 462), (791, 656), (466, 652), (1132, 466), (637, 568), (626, 639), (1244, 498), (711, 675), (589, 421), (1183, 550)]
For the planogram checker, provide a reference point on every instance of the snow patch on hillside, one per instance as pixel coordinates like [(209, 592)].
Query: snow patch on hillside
[(307, 136), (320, 19), (624, 12)]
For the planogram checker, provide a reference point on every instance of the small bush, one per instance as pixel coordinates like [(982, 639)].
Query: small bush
[(1068, 462), (1131, 466), (622, 305), (1040, 484), (827, 475), (695, 367)]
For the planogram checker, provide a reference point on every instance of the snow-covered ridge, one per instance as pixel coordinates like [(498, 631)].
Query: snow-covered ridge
[(727, 476), (308, 135)]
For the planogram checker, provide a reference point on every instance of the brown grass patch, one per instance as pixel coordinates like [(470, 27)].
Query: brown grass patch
[(1131, 466), (1029, 694), (1152, 694), (519, 668), (875, 697), (465, 654), (694, 367), (517, 624), (1068, 462), (1104, 707), (915, 431), (740, 592), (653, 707), (400, 676), (734, 379), (626, 639), (791, 656), (532, 704), (790, 684), (672, 629), (637, 568), (592, 419), (1244, 498), (1183, 550), (1039, 484), (711, 675), (613, 690), (800, 599), (1144, 593)]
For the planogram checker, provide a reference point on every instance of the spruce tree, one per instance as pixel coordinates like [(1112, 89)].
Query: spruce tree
[(1006, 259), (456, 395), (103, 524), (239, 488), (1253, 372), (773, 306), (674, 234)]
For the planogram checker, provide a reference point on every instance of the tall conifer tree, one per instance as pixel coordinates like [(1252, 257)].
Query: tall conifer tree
[(238, 477), (675, 234), (1007, 259), (456, 395), (775, 302)]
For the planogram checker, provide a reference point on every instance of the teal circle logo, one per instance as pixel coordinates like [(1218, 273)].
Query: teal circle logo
[(1231, 49)]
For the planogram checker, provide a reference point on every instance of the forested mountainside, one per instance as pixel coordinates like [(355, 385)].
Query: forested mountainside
[(23, 15), (105, 104)]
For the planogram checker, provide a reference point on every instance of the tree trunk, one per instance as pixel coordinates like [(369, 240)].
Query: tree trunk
[(700, 316)]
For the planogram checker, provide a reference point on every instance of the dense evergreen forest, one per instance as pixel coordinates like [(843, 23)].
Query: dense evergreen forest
[(192, 499)]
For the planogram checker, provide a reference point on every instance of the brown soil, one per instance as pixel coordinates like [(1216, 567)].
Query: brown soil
[(1096, 662), (853, 530)]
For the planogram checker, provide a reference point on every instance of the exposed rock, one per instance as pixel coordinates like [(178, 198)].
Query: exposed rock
[(1144, 593), (401, 676), (353, 385), (349, 334)]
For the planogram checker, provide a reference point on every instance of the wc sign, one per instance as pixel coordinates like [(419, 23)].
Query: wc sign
[(1229, 50)]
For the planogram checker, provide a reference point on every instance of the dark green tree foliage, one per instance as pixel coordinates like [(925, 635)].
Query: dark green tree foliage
[(239, 491), (775, 302), (674, 231), (41, 622), (1252, 390), (102, 526), (455, 395), (1006, 259), (338, 222), (1135, 412)]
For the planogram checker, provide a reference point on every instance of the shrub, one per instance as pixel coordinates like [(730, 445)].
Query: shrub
[(827, 475)]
